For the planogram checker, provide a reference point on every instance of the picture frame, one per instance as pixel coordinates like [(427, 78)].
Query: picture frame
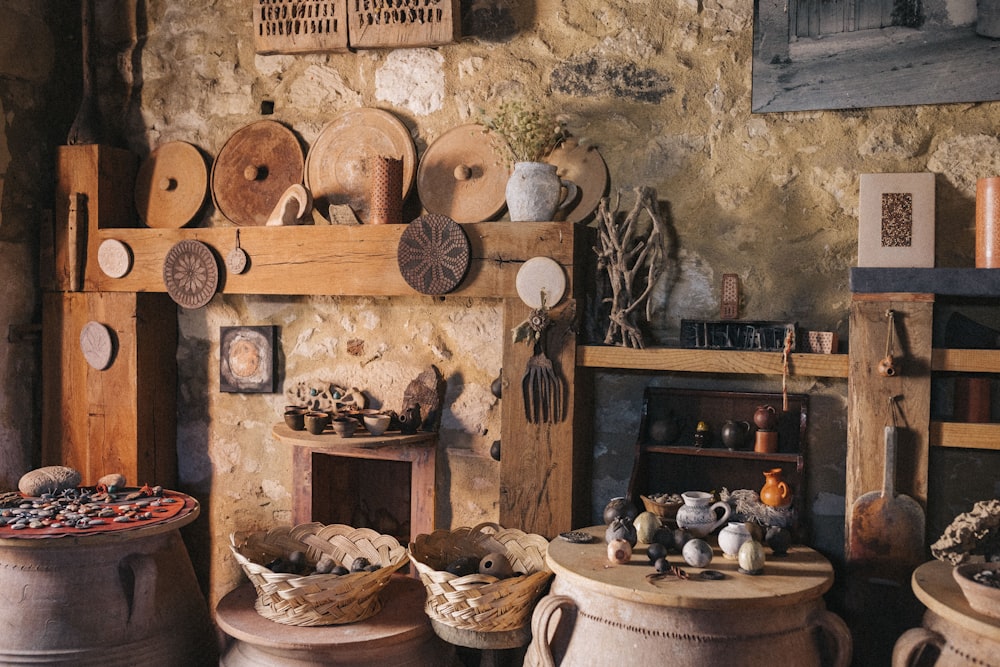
[(246, 359), (896, 220)]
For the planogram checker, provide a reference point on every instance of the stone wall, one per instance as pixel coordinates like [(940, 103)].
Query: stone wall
[(661, 88)]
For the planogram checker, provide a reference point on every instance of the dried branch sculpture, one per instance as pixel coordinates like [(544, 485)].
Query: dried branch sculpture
[(634, 258)]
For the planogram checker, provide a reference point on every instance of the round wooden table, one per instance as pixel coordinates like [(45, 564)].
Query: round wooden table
[(960, 635), (598, 613), (399, 634)]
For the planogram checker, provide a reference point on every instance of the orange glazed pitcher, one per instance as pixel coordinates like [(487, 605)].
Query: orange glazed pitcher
[(775, 491)]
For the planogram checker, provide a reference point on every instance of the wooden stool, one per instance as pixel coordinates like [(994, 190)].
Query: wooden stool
[(399, 634), (496, 649)]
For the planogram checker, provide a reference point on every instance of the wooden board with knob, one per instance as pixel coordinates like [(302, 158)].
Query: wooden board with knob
[(254, 168), (171, 185), (462, 175)]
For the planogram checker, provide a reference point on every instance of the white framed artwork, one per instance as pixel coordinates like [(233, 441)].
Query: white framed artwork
[(896, 220)]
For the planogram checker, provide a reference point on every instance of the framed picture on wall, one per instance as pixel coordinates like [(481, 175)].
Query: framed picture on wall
[(246, 359), (896, 220)]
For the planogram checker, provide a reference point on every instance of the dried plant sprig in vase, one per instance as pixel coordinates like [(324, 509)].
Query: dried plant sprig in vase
[(529, 133)]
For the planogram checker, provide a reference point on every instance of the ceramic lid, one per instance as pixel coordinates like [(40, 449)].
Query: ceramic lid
[(463, 176)]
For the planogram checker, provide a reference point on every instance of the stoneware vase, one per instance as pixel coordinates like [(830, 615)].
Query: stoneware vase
[(698, 514), (535, 193), (732, 537)]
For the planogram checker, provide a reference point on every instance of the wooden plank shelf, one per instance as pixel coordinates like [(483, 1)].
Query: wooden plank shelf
[(964, 435), (965, 361), (717, 453), (710, 361), (341, 260)]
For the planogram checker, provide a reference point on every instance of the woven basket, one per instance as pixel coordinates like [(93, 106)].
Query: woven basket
[(318, 599), (663, 510), (477, 601)]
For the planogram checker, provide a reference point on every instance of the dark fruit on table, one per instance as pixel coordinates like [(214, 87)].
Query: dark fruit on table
[(656, 551), (661, 565)]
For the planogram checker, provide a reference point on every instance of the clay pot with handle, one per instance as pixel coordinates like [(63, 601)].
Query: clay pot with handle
[(775, 491)]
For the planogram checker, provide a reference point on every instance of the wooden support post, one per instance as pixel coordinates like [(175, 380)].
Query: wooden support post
[(869, 393)]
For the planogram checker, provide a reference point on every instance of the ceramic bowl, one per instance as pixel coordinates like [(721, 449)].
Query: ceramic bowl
[(316, 422), (982, 597), (377, 424), (295, 418), (344, 426)]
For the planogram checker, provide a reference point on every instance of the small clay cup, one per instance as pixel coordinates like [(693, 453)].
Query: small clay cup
[(295, 418), (344, 426), (316, 422), (377, 424)]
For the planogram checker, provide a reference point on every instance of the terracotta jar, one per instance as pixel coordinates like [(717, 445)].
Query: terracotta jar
[(766, 418), (775, 491)]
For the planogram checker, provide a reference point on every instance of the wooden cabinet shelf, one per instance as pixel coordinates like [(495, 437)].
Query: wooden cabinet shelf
[(964, 435), (729, 362), (965, 361), (680, 450)]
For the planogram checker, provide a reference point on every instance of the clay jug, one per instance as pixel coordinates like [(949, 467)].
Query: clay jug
[(775, 491), (698, 513), (535, 193), (766, 418), (734, 434)]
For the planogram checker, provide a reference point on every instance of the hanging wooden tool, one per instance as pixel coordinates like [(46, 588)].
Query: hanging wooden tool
[(887, 530)]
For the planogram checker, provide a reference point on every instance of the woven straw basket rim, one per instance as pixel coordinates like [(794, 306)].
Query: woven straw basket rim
[(477, 601), (318, 599)]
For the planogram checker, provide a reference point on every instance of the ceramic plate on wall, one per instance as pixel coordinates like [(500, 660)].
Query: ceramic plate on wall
[(538, 279), (336, 172), (433, 254), (114, 258), (190, 273)]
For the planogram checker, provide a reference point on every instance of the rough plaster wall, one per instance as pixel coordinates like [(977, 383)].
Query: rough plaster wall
[(28, 116), (663, 88)]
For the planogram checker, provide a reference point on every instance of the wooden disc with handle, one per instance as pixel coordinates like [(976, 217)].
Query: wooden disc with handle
[(887, 530), (171, 185), (463, 176), (255, 167)]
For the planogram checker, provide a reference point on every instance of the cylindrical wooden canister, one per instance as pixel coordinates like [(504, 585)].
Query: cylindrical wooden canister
[(973, 400), (988, 223), (385, 176)]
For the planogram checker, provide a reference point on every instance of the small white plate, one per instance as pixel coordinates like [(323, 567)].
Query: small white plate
[(114, 258), (541, 276), (97, 345)]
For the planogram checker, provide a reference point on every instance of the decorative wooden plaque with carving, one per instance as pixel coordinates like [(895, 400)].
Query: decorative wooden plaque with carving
[(392, 23), (299, 26)]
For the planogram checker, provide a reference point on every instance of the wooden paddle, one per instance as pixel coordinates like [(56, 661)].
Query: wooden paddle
[(887, 531)]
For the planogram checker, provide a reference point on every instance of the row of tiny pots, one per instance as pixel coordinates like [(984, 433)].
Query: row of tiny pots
[(733, 434), (344, 425)]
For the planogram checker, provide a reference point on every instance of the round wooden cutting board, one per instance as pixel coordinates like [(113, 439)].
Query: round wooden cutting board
[(463, 176), (336, 170), (171, 185), (254, 168), (584, 166)]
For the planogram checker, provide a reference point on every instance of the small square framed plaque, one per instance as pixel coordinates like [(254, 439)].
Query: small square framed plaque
[(246, 359), (896, 220)]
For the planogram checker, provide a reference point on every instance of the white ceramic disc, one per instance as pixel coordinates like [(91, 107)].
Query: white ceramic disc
[(114, 258), (541, 278), (97, 345)]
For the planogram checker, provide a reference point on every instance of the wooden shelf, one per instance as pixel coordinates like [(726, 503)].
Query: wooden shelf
[(965, 361), (341, 260), (964, 435), (711, 452), (710, 361)]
